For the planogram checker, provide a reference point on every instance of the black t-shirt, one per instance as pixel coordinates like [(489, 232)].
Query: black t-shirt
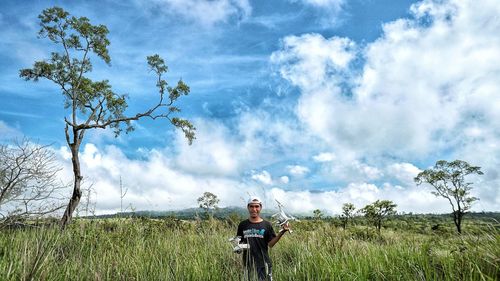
[(257, 235)]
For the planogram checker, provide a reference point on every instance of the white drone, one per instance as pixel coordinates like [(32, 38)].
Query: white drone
[(237, 247), (281, 217)]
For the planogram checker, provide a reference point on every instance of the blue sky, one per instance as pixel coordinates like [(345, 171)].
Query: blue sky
[(312, 102)]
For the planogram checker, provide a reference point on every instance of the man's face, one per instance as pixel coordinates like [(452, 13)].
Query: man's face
[(254, 210)]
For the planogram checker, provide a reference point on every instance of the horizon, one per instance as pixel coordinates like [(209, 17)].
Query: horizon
[(268, 212)]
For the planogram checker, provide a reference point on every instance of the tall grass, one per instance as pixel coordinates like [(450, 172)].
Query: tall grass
[(143, 249)]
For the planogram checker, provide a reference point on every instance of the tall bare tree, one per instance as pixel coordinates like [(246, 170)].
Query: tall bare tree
[(448, 178), (93, 104), (29, 185)]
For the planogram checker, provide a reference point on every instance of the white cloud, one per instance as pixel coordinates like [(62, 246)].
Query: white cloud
[(324, 3), (214, 151), (403, 172), (324, 157), (349, 170), (263, 177), (205, 12), (420, 87), (370, 172), (153, 183), (284, 179), (346, 167), (253, 142), (297, 170), (156, 183), (412, 199), (428, 85), (440, 76), (309, 60)]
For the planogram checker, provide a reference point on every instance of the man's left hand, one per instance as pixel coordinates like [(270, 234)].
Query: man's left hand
[(285, 227)]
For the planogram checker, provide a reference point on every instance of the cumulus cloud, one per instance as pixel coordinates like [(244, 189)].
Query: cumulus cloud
[(284, 179), (419, 87), (351, 170), (308, 61), (214, 152), (153, 183), (418, 200), (324, 157), (256, 138), (324, 3), (297, 170), (423, 88), (403, 172), (409, 199), (263, 177), (156, 183), (205, 12), (427, 85)]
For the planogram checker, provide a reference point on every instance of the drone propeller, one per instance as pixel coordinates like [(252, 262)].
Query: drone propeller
[(237, 247), (281, 217)]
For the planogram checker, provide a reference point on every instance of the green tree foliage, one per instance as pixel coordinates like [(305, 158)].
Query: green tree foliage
[(448, 179), (378, 210), (208, 202), (93, 104), (317, 214), (347, 213)]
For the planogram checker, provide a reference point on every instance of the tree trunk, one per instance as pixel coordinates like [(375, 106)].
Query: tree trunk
[(457, 219), (77, 192)]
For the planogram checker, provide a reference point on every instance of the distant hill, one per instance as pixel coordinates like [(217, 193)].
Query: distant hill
[(189, 213), (192, 213)]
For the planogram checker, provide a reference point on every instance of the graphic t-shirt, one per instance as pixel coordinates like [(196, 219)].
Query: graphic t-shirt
[(257, 235)]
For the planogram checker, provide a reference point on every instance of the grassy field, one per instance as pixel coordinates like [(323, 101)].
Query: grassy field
[(169, 249)]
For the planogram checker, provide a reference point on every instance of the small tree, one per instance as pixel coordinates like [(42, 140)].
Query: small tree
[(208, 202), (29, 186), (317, 214), (448, 178), (347, 214), (93, 105), (377, 211)]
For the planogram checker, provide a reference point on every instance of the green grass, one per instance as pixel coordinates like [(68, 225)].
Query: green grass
[(145, 249)]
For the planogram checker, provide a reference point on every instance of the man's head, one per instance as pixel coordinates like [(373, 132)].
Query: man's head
[(254, 206)]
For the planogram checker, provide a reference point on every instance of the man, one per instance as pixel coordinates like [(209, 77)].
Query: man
[(260, 235)]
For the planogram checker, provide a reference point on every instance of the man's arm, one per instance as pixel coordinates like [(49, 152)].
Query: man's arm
[(239, 232), (275, 240)]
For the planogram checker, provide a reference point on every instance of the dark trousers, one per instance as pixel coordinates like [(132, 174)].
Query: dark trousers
[(260, 273)]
